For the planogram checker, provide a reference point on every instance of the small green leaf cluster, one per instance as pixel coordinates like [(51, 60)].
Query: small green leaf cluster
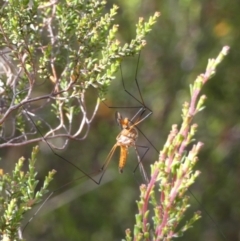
[(164, 198), (18, 195)]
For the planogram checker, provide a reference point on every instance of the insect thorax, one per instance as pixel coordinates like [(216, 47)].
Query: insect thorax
[(127, 137)]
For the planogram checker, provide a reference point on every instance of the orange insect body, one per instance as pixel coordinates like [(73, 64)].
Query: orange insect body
[(126, 138), (123, 158)]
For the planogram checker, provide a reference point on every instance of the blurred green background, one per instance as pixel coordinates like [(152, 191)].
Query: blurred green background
[(186, 35)]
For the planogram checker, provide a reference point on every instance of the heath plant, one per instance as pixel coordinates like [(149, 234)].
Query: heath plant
[(52, 53), (164, 200)]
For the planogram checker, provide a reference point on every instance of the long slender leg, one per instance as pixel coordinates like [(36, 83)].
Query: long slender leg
[(140, 165), (136, 119)]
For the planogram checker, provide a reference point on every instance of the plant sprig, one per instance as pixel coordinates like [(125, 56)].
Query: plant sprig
[(171, 176), (18, 195)]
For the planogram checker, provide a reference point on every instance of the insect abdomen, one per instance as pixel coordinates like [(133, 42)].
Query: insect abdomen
[(123, 158)]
